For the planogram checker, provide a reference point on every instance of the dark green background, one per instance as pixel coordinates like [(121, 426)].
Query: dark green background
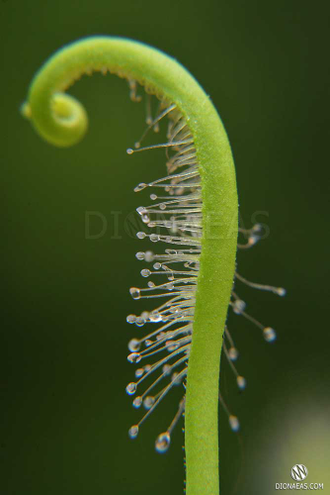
[(65, 298)]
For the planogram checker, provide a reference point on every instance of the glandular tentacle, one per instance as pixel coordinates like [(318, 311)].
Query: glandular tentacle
[(173, 218)]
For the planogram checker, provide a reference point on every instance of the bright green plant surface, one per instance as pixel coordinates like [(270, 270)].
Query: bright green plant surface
[(62, 121)]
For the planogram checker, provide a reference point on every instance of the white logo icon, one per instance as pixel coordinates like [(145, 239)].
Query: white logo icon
[(299, 472)]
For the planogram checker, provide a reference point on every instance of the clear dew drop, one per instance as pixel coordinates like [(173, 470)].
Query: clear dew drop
[(257, 227), (167, 369), (163, 442), (239, 306), (129, 151), (253, 239), (141, 210), (155, 316), (148, 402), (131, 388), (153, 197), (134, 345), (149, 256), (280, 291), (140, 321), (141, 235), (140, 186), (140, 256), (133, 431), (145, 272), (135, 292), (137, 402), (269, 334), (135, 357), (172, 345), (154, 237), (131, 319), (234, 423), (233, 353), (139, 372), (241, 382)]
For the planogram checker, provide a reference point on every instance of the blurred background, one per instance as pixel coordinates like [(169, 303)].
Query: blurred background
[(64, 335)]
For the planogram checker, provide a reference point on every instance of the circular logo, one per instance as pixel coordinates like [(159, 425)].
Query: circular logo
[(299, 472)]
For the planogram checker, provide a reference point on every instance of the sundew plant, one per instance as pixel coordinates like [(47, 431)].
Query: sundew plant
[(193, 213)]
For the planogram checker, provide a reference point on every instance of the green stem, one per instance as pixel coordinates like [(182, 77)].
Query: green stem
[(62, 121)]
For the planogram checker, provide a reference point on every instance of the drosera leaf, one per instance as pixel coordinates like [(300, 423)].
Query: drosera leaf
[(208, 244)]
